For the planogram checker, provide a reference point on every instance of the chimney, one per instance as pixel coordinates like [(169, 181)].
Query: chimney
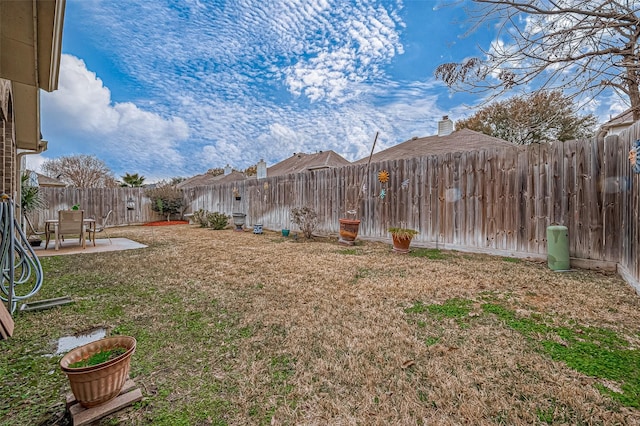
[(445, 126), (227, 170), (262, 169)]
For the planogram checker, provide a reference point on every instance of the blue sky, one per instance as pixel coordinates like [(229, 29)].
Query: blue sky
[(169, 88)]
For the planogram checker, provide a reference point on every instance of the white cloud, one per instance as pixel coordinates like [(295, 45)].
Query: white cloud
[(34, 162), (366, 40), (252, 80), (134, 140)]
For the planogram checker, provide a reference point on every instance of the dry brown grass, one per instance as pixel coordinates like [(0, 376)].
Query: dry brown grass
[(256, 329)]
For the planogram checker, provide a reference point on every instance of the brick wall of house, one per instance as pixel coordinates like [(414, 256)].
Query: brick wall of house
[(7, 140)]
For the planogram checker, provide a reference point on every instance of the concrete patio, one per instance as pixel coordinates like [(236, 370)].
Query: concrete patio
[(72, 246)]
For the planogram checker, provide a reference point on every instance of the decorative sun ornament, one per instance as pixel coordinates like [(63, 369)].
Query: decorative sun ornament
[(383, 176), (634, 156)]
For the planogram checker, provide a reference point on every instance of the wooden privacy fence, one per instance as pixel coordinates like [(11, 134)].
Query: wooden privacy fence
[(495, 200), (96, 202)]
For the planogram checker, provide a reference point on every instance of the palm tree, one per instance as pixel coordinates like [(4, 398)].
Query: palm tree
[(132, 181)]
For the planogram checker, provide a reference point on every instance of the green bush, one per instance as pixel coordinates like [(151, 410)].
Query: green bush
[(166, 199), (200, 217), (32, 198), (217, 220), (207, 219)]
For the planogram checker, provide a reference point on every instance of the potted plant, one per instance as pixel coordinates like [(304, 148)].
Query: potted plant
[(236, 194), (286, 229), (98, 370), (402, 239), (349, 226)]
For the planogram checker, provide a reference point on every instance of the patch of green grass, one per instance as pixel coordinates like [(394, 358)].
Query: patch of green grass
[(281, 368), (452, 308), (526, 326), (362, 273), (430, 341), (596, 352), (545, 415), (113, 311), (432, 254), (171, 418), (417, 308), (456, 309), (511, 259)]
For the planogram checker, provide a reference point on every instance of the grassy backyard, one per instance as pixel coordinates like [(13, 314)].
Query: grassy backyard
[(236, 328)]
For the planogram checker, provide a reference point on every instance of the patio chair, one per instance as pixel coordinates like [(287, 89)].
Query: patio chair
[(32, 230), (100, 227), (70, 222)]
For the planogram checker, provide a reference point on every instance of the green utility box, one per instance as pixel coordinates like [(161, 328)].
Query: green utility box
[(558, 248)]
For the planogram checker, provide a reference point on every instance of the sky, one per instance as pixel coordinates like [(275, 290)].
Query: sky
[(172, 88)]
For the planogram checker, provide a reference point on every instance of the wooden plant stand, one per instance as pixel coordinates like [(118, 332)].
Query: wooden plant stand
[(83, 416)]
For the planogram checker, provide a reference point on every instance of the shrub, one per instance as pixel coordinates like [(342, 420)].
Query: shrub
[(32, 198), (166, 199), (306, 218), (200, 217), (217, 220)]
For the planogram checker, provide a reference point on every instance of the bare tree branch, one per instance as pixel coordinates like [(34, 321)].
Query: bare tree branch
[(81, 171), (578, 46)]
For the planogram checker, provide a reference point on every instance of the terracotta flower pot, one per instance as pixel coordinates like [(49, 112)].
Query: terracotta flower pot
[(96, 384), (401, 245), (348, 231)]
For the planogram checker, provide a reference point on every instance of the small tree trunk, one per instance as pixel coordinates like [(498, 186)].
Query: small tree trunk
[(633, 80)]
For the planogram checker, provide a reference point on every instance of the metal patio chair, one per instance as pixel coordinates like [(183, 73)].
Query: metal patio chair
[(100, 227)]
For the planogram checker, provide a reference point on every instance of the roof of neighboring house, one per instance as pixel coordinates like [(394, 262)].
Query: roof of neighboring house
[(622, 119), (48, 181), (458, 141), (209, 179), (300, 162)]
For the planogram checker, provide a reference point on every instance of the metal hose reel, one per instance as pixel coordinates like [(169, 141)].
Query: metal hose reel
[(21, 269)]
